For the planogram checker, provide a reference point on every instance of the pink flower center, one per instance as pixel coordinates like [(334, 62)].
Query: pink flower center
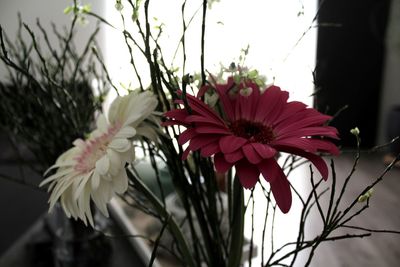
[(252, 131), (94, 149)]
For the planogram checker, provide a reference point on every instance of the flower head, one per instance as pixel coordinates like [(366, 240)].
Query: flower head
[(254, 126), (94, 169)]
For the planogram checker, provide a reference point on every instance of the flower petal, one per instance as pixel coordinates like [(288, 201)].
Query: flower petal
[(221, 165), (120, 145), (101, 123), (103, 165), (126, 132), (270, 104), (95, 181), (210, 149), (318, 162), (234, 156), (200, 141), (120, 182), (248, 175), (265, 151), (231, 143), (251, 154), (280, 186), (186, 136)]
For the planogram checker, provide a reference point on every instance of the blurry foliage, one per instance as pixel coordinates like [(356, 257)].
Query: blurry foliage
[(51, 92)]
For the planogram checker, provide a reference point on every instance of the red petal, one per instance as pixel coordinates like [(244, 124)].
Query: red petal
[(231, 143), (265, 151), (318, 162), (203, 90), (200, 141), (315, 120), (249, 103), (271, 104), (327, 131), (185, 154), (221, 165), (210, 149), (177, 114), (227, 102), (186, 136), (291, 109), (170, 123), (200, 107), (280, 186), (251, 154), (234, 156), (210, 129), (296, 142), (199, 118), (325, 146), (248, 174)]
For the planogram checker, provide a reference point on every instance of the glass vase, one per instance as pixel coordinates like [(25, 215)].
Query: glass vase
[(75, 244)]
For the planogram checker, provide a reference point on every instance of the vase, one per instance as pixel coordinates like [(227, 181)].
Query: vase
[(75, 244)]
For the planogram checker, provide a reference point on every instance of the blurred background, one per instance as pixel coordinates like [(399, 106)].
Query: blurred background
[(348, 60)]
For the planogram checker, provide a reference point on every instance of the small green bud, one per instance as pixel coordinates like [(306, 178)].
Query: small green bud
[(68, 10), (86, 8), (355, 131), (118, 5), (366, 196), (237, 79), (135, 15), (252, 74), (94, 49)]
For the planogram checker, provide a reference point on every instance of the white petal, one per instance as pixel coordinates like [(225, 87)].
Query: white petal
[(82, 185), (120, 184), (113, 111), (79, 143), (148, 132), (126, 132), (95, 181), (87, 206), (101, 123), (100, 200), (81, 207), (103, 165), (132, 119), (120, 145), (116, 162), (59, 174), (60, 188)]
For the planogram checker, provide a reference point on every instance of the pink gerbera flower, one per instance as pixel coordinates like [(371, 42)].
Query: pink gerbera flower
[(254, 127)]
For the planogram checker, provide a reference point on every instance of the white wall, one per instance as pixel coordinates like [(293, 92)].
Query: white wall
[(391, 77), (48, 11)]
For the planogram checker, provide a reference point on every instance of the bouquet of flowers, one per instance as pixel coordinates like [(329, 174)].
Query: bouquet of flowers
[(219, 136)]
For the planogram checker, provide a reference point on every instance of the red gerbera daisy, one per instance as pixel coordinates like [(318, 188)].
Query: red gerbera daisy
[(255, 125)]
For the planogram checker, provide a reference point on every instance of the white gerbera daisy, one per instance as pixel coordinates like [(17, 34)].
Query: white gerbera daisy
[(94, 169)]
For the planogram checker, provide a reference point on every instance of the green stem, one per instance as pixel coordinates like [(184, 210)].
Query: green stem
[(236, 245), (173, 226)]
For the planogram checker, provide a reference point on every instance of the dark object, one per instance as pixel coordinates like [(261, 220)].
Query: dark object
[(74, 244), (35, 248), (393, 130), (350, 53)]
